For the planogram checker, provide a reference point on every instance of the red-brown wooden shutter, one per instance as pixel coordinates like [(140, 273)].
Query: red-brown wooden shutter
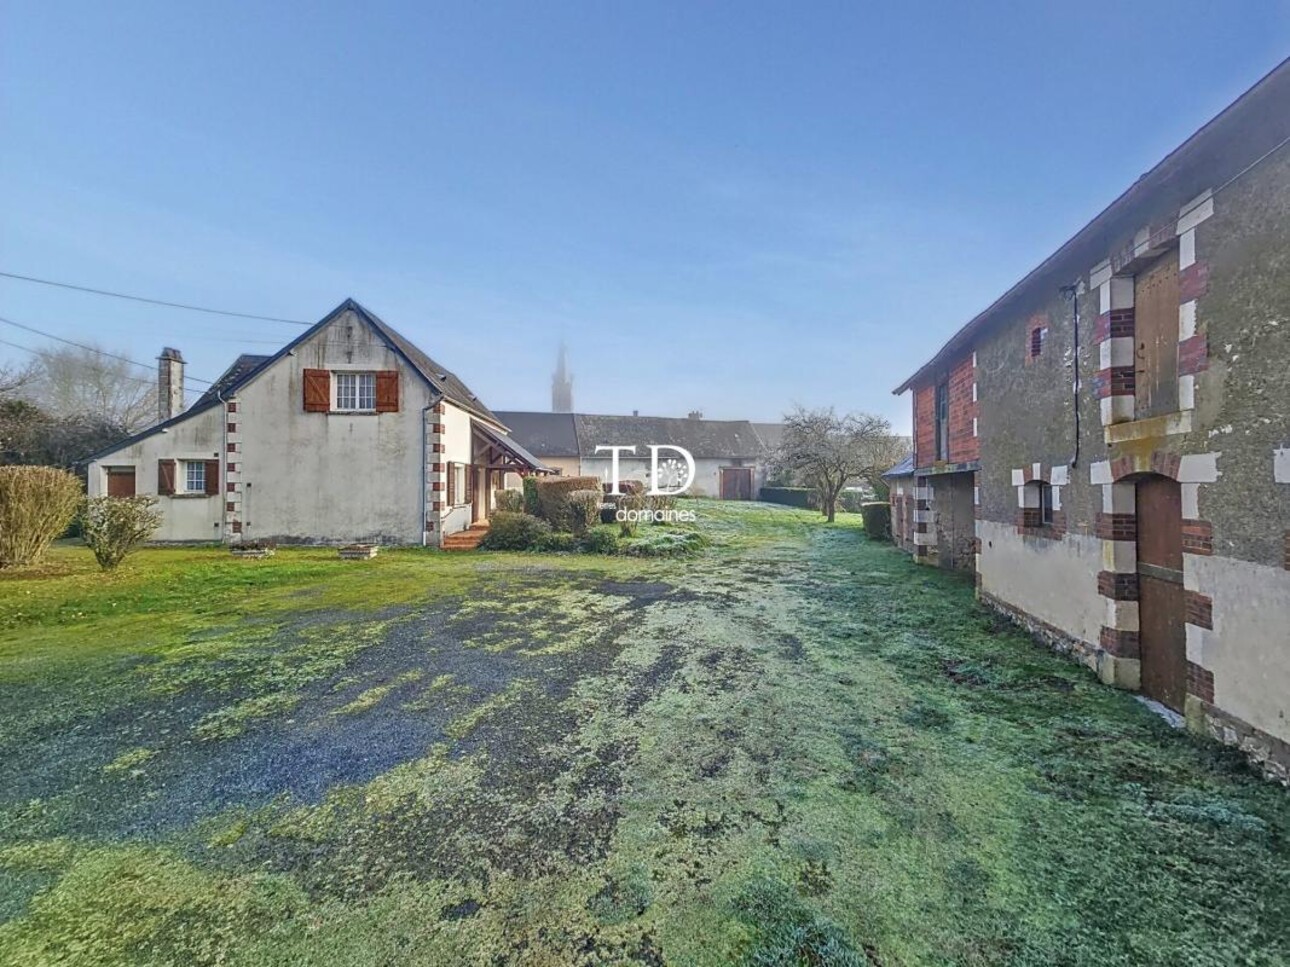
[(212, 477), (452, 484), (165, 477), (317, 390), (387, 391)]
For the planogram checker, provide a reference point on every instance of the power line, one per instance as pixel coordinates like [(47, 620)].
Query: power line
[(93, 349), (155, 302), (45, 355)]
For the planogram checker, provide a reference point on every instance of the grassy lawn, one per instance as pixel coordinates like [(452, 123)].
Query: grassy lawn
[(795, 747)]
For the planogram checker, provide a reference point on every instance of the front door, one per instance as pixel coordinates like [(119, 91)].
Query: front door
[(1162, 636), (736, 483), (120, 481)]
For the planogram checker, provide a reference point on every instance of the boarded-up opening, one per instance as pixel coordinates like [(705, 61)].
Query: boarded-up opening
[(1162, 636), (1155, 323), (120, 482)]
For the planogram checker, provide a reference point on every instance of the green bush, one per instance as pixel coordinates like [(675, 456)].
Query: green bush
[(36, 505), (631, 501), (877, 520), (531, 496), (553, 498), (508, 502), (584, 510), (657, 542), (514, 532), (556, 542), (601, 540), (112, 527), (791, 497)]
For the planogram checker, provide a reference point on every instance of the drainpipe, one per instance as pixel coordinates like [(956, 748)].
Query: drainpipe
[(424, 470), (1071, 292)]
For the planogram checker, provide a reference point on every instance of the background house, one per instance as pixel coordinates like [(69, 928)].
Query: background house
[(1112, 436), (731, 457), (348, 433)]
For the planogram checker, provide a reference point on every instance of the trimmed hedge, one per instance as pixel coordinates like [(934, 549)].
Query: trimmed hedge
[(791, 497), (514, 532), (877, 520), (530, 495), (553, 497)]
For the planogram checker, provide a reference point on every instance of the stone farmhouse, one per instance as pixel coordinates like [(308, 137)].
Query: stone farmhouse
[(1107, 446), (731, 457), (349, 433)]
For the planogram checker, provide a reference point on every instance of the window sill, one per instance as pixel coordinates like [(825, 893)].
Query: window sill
[(1168, 424), (191, 496), (353, 413)]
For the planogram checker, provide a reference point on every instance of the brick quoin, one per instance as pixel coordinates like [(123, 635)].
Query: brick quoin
[(1116, 641), (1198, 538), (1200, 682), (1115, 381), (232, 406), (1193, 356), (1116, 527), (1199, 609), (1117, 585), (1193, 281), (1113, 325)]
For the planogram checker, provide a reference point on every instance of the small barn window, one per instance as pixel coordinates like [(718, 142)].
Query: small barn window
[(1044, 501), (1038, 336), (355, 391)]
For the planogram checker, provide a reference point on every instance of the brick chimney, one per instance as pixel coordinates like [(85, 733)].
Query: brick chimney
[(170, 383)]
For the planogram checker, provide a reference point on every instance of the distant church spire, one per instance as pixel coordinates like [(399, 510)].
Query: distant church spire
[(562, 385)]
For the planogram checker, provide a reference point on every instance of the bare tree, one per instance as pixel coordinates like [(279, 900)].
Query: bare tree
[(73, 382), (827, 451), (13, 378)]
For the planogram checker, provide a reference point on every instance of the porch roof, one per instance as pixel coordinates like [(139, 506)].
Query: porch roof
[(501, 452)]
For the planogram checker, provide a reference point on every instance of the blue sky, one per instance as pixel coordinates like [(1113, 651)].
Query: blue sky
[(728, 207)]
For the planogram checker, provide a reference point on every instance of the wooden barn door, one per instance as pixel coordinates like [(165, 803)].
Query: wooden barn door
[(1155, 323), (736, 483), (1162, 635)]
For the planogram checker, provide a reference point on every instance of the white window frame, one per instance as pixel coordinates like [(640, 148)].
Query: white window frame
[(353, 402), (461, 485), (187, 466)]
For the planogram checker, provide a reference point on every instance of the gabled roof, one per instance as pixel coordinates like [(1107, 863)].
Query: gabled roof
[(242, 367), (544, 434), (247, 366), (703, 438), (1244, 133), (578, 434)]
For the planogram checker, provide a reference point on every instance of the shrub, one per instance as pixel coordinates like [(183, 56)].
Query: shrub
[(553, 498), (664, 543), (791, 496), (508, 502), (877, 520), (555, 542), (531, 496), (584, 510), (112, 527), (630, 501), (601, 540), (509, 531), (36, 505)]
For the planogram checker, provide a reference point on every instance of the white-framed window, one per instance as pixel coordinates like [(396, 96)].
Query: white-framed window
[(459, 487), (355, 391), (194, 476)]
